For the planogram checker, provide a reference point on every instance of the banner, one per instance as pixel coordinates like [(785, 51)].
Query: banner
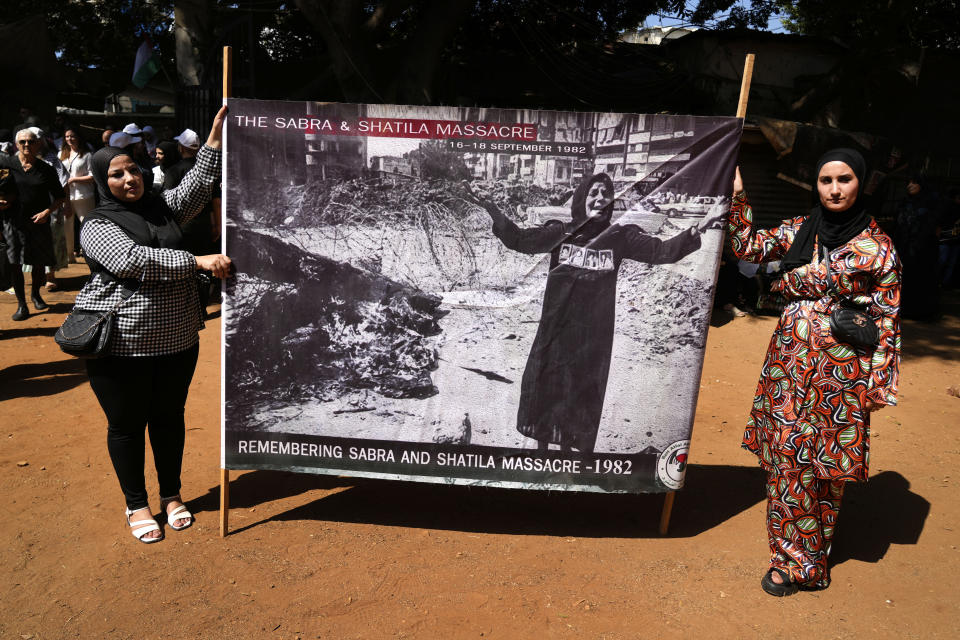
[(506, 297)]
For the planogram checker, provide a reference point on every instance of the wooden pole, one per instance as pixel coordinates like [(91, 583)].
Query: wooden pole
[(224, 502), (741, 113), (745, 86), (665, 514), (228, 72), (224, 472)]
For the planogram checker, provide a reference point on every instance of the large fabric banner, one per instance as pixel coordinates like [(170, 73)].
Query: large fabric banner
[(476, 296)]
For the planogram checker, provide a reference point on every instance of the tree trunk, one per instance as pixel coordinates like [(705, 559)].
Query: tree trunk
[(368, 73), (193, 34)]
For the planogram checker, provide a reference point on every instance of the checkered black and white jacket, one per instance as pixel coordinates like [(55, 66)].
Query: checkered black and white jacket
[(163, 316)]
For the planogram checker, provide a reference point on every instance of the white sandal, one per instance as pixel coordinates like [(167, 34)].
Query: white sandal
[(140, 528), (179, 513)]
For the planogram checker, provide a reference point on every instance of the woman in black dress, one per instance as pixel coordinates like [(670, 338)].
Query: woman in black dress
[(27, 232), (565, 379)]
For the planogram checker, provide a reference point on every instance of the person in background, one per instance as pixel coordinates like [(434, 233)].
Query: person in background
[(106, 135), (949, 222), (188, 142), (76, 160), (29, 239), (167, 156), (58, 221), (136, 146), (199, 235), (27, 119), (59, 127), (6, 143), (810, 422), (11, 271), (150, 141), (916, 240), (132, 243)]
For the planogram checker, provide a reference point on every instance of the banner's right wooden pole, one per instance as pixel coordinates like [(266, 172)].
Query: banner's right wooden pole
[(745, 86), (224, 472), (741, 113), (667, 509)]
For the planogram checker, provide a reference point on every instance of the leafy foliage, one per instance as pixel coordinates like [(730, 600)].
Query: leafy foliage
[(886, 25), (100, 34)]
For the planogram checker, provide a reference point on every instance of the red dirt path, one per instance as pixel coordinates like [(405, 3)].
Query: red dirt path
[(324, 557)]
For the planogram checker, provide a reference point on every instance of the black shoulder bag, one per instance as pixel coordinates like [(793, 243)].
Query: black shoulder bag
[(849, 321), (87, 334)]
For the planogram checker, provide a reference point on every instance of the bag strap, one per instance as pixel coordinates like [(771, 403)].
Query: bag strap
[(832, 287), (826, 262)]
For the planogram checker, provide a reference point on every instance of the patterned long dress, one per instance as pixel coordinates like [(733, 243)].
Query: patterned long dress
[(807, 425)]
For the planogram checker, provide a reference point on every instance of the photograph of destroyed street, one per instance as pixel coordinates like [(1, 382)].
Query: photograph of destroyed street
[(372, 299)]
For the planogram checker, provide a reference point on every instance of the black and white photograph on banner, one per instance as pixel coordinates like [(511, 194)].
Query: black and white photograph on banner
[(471, 295)]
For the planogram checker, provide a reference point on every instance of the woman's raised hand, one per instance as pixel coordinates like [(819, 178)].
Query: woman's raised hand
[(488, 205), (715, 215), (216, 131), (217, 264)]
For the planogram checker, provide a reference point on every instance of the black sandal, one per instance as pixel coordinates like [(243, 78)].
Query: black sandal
[(786, 588)]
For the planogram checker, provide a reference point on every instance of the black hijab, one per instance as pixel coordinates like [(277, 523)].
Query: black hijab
[(148, 221), (833, 228), (584, 227), (171, 154)]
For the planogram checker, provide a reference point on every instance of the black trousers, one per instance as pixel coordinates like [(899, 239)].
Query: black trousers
[(140, 392)]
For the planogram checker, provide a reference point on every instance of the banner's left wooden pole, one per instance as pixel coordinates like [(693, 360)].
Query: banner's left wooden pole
[(745, 83), (224, 472)]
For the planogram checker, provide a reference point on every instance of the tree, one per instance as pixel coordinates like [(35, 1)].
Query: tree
[(438, 163), (99, 34), (194, 38), (866, 24), (402, 50)]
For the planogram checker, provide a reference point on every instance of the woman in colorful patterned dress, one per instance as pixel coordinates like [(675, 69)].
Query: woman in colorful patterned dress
[(810, 422)]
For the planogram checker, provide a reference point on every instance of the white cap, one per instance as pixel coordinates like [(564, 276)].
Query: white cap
[(122, 140), (132, 129), (189, 139)]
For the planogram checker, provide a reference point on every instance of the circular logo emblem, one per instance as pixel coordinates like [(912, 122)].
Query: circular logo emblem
[(673, 464)]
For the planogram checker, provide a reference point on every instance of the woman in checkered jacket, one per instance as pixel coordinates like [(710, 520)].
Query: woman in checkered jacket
[(132, 243)]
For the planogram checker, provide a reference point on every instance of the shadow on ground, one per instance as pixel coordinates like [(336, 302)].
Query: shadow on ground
[(42, 378), (29, 332), (713, 494), (939, 338), (73, 283), (876, 514)]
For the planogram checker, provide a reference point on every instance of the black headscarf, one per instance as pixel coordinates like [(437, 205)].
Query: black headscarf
[(171, 154), (584, 227), (833, 228), (148, 221)]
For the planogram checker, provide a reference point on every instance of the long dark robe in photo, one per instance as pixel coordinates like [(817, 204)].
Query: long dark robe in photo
[(565, 379)]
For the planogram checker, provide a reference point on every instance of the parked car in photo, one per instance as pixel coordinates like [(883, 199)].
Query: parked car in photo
[(644, 214)]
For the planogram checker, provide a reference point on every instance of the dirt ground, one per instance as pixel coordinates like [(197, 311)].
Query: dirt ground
[(326, 557)]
